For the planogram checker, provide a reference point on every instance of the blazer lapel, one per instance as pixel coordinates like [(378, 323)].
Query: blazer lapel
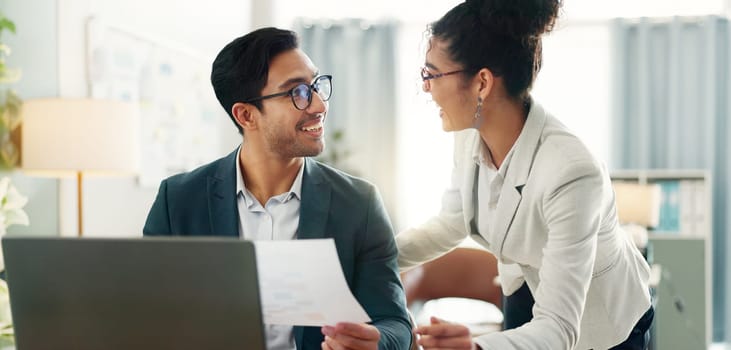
[(470, 176), (222, 208), (298, 335), (517, 173), (507, 206), (315, 202), (470, 205)]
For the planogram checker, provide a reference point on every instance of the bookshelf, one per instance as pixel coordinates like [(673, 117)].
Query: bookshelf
[(681, 245)]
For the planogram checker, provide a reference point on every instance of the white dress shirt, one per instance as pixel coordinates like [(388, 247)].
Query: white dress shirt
[(278, 219), (489, 184)]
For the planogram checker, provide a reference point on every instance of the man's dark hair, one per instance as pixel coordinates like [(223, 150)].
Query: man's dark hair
[(501, 35), (241, 69)]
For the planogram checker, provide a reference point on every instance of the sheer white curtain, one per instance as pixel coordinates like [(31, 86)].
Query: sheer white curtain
[(672, 103), (360, 56)]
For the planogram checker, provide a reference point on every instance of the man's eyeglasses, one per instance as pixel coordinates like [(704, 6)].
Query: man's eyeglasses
[(425, 75), (302, 93)]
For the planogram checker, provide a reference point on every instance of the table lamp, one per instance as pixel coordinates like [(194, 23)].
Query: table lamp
[(67, 136), (638, 203), (638, 209)]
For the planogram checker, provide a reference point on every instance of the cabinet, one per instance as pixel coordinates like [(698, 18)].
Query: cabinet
[(680, 245)]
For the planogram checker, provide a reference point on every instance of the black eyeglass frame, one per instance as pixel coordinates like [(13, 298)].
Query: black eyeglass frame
[(426, 76), (290, 92)]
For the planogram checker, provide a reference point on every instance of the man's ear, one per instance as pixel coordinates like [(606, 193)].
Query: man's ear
[(486, 80), (245, 114)]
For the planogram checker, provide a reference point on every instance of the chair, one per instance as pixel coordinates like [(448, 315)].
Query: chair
[(457, 286)]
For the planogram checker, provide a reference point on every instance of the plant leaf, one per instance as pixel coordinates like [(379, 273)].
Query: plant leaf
[(5, 23)]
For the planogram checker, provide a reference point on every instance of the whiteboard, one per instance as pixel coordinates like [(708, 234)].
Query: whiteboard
[(178, 108)]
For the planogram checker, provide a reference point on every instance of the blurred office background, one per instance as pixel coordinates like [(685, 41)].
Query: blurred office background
[(645, 83)]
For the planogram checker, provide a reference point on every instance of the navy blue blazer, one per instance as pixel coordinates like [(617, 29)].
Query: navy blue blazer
[(334, 205)]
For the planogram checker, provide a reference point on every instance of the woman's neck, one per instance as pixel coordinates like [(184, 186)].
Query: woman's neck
[(503, 121)]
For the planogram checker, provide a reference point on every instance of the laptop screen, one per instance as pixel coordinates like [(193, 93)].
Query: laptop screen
[(135, 293)]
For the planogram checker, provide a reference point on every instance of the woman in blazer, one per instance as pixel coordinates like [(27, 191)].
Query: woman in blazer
[(526, 189)]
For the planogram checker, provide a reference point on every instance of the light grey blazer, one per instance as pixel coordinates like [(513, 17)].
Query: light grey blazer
[(556, 225)]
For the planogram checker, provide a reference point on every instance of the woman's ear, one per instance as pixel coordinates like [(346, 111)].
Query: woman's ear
[(245, 115), (486, 80)]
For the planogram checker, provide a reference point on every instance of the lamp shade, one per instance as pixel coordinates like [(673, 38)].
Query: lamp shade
[(638, 203), (80, 135)]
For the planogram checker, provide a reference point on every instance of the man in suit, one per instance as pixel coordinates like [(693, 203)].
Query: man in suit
[(268, 189)]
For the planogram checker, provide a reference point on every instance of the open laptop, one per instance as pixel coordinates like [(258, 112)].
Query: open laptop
[(136, 293)]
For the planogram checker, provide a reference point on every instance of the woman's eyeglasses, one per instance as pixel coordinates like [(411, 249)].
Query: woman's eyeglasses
[(302, 93), (425, 75)]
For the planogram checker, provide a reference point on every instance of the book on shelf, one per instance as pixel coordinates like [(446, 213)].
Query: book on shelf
[(669, 206), (683, 210), (672, 207)]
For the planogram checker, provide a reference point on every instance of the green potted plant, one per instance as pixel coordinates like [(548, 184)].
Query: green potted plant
[(11, 213), (10, 104)]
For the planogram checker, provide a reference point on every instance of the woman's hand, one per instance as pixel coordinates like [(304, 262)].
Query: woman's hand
[(445, 335)]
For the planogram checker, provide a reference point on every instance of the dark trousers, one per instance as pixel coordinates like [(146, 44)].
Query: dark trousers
[(518, 310)]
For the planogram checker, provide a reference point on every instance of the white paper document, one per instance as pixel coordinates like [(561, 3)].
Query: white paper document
[(301, 283)]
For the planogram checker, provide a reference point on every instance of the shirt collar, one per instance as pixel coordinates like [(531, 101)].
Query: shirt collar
[(481, 156), (294, 191)]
